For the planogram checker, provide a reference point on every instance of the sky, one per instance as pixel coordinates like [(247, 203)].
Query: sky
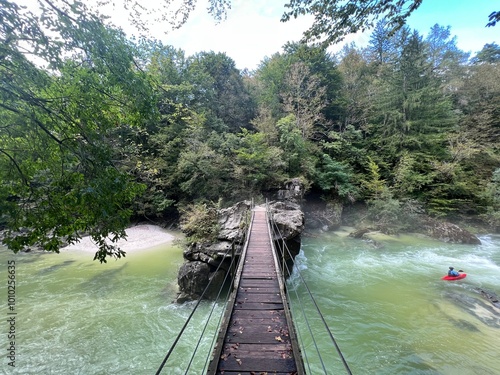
[(253, 31)]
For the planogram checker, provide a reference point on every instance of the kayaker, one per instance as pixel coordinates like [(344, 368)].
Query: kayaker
[(452, 272)]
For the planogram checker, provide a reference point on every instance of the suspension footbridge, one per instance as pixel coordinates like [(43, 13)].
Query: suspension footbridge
[(257, 336), (256, 333)]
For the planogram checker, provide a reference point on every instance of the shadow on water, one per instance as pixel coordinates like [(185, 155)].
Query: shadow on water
[(26, 257), (464, 325), (104, 281), (55, 267), (416, 364)]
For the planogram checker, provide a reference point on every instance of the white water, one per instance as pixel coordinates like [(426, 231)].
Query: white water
[(390, 312)]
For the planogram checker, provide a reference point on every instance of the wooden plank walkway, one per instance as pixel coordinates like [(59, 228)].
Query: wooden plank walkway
[(257, 337)]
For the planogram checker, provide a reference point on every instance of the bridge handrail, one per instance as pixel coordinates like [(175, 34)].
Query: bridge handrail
[(275, 229), (212, 368), (230, 295), (281, 281)]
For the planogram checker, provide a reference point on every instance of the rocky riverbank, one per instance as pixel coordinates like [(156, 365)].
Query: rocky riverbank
[(327, 216), (206, 264)]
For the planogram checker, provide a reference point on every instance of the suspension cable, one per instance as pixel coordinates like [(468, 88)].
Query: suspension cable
[(171, 349), (315, 304), (210, 316), (214, 337), (300, 303), (188, 320), (303, 314)]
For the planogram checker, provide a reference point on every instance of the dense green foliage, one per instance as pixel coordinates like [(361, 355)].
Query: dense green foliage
[(333, 19), (96, 129)]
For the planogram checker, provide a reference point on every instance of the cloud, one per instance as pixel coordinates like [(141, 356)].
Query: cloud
[(251, 32)]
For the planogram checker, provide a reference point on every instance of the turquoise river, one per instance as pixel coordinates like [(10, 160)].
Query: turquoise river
[(386, 306)]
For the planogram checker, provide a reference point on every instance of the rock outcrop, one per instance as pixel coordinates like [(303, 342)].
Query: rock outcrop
[(448, 232), (288, 219), (208, 263), (324, 215), (439, 230)]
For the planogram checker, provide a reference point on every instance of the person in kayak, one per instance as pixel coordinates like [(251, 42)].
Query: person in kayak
[(452, 272)]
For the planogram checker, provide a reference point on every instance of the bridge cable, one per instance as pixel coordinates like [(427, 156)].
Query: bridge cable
[(301, 307), (209, 317), (214, 337), (228, 295), (158, 372), (316, 306), (334, 341), (303, 313)]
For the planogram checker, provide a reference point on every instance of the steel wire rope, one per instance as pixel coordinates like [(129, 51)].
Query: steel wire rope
[(208, 319), (158, 372), (222, 314), (301, 304), (344, 362), (303, 313), (301, 339)]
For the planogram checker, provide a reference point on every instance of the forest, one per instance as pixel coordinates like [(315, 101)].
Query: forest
[(97, 129)]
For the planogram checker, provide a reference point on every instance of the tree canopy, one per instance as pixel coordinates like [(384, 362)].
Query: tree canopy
[(98, 130)]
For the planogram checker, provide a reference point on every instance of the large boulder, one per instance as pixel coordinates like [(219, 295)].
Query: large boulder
[(324, 215), (288, 221), (288, 218), (292, 191), (210, 261), (233, 222), (207, 262), (448, 232)]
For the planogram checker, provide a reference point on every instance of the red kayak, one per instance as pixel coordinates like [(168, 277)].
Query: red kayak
[(461, 276)]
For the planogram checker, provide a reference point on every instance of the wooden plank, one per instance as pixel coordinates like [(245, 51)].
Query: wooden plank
[(257, 339), (257, 364), (259, 297), (258, 306), (253, 289), (262, 277), (258, 314), (255, 283), (264, 350)]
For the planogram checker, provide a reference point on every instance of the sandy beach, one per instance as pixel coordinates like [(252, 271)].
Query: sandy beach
[(139, 237)]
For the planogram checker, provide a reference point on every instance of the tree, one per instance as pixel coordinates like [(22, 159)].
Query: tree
[(493, 18), (220, 87), (411, 119), (492, 194), (336, 178), (304, 97), (357, 92), (257, 166), (61, 176), (305, 81), (334, 19), (489, 54), (296, 150), (448, 62), (382, 48)]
